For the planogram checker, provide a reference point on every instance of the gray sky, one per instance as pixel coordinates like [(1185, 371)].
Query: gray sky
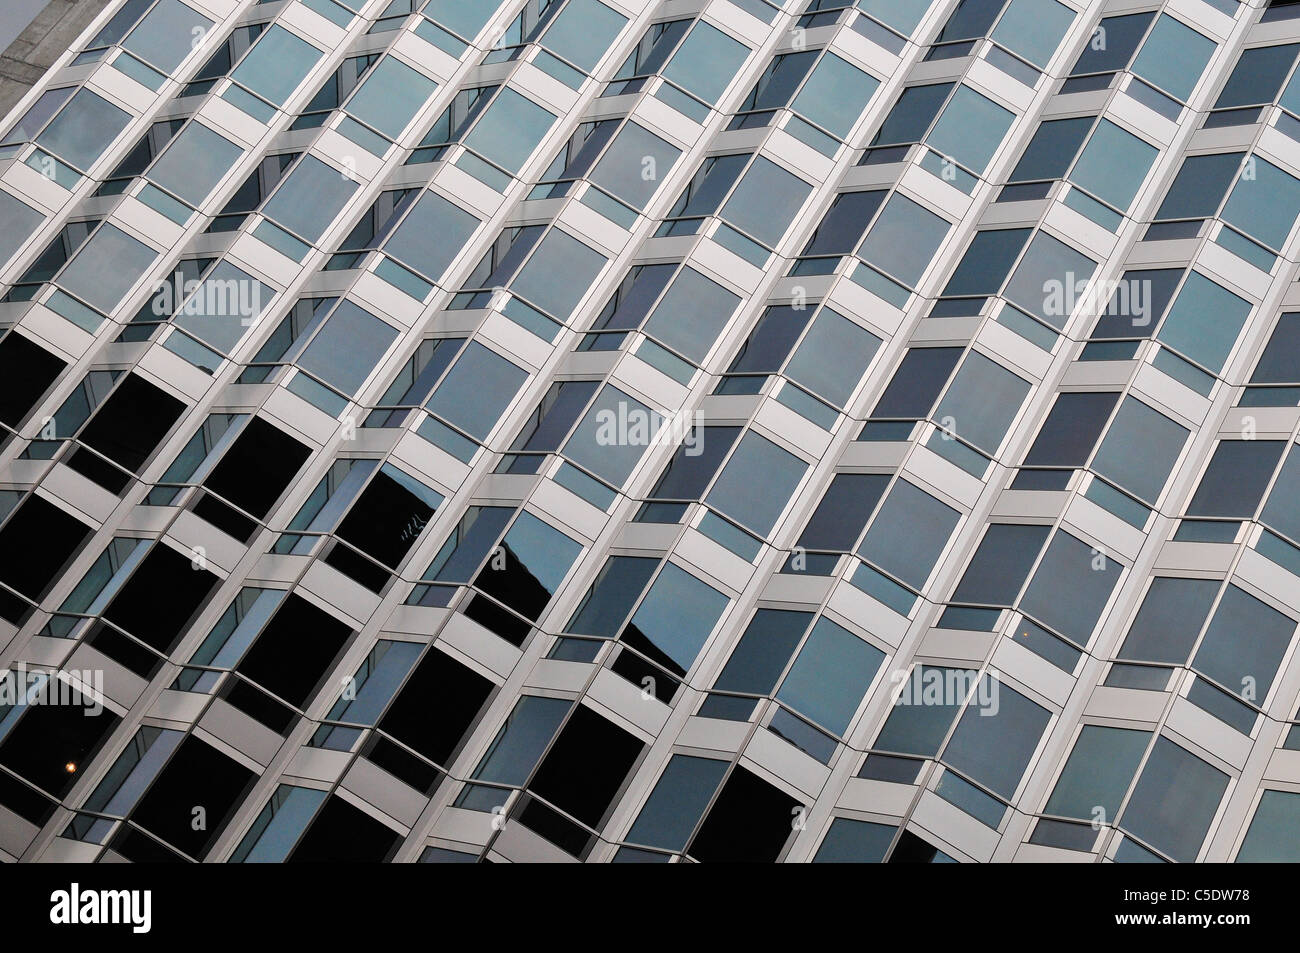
[(14, 17)]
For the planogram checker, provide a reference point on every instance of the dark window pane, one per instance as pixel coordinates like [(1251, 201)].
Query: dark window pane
[(1138, 304), (1234, 482), (1098, 772), (1280, 362), (763, 651), (1071, 587), (1170, 619), (1258, 76), (842, 513), (1174, 801), (855, 842), (35, 545), (1244, 645), (1200, 186), (993, 743), (611, 597), (911, 116), (677, 802), (922, 714), (844, 224), (1053, 148), (918, 382), (586, 766), (1112, 44), (749, 822), (1001, 564), (1071, 430), (987, 261)]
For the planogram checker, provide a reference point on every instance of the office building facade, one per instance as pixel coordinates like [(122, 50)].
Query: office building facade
[(653, 430)]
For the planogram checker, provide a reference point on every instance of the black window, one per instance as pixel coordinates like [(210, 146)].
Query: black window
[(26, 372)]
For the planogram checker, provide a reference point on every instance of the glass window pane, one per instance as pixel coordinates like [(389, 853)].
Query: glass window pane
[(1048, 279), (677, 802), (695, 463), (1112, 44), (310, 198), (917, 383), (996, 736), (1175, 799), (347, 348), (843, 512), (675, 619), (1200, 186), (970, 129), (832, 356), (1140, 449), (509, 130), (923, 712), (559, 273), (987, 262), (982, 401), (83, 129), (1280, 362), (911, 116), (634, 165), (106, 267), (1052, 150), (756, 483), (522, 739), (1282, 511), (1264, 202), (832, 671), (904, 239), (431, 235), (1234, 482), (613, 435), (1258, 76), (1245, 665), (1204, 321), (18, 221), (1170, 619), (1071, 586), (706, 62), (766, 201), (1113, 164), (224, 307), (841, 228), (692, 314), (466, 17), (616, 589), (194, 162), (535, 559), (902, 15), (1033, 29), (1274, 834), (583, 31), (1173, 57), (763, 651), (855, 842), (835, 95), (1071, 430), (167, 34), (908, 533), (1098, 773), (391, 96), (1001, 564), (476, 389), (276, 65)]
